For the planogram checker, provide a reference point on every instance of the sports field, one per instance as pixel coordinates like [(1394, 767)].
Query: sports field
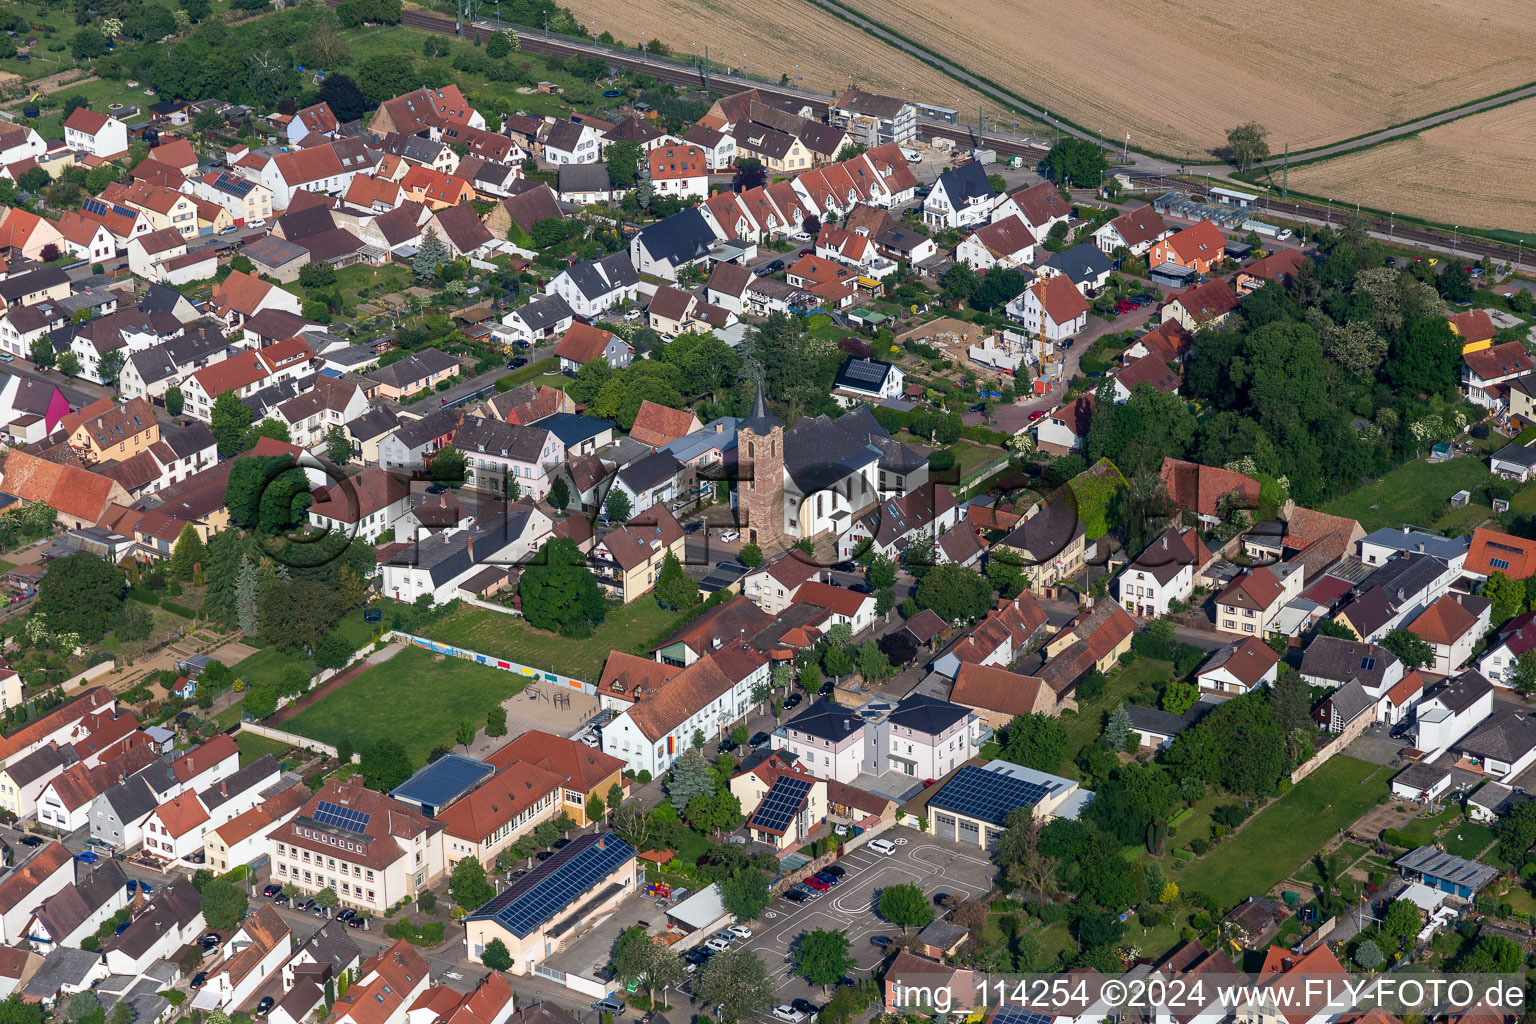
[(415, 697), (1478, 171)]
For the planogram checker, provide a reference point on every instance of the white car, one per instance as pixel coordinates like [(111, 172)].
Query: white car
[(717, 944), (884, 846), (788, 1013), (256, 222), (730, 535), (741, 931)]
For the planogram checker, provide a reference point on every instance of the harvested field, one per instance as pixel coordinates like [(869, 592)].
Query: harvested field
[(1177, 74), (778, 37), (1479, 172)]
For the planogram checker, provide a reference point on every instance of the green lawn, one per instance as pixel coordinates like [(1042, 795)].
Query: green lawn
[(1421, 830), (353, 281), (1469, 840), (1088, 723), (252, 747), (1414, 493), (415, 697), (267, 664), (508, 636), (1273, 845)]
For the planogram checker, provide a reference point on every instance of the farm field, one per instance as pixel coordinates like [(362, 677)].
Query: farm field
[(1178, 75), (1492, 184), (779, 37), (416, 697)]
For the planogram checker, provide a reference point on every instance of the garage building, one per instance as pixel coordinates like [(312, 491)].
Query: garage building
[(971, 807)]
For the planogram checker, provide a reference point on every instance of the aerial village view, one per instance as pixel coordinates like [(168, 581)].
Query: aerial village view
[(702, 512)]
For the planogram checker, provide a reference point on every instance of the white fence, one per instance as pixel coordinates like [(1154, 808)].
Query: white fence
[(291, 738)]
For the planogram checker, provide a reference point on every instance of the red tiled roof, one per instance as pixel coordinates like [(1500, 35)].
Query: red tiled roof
[(1208, 301), (1500, 360), (1444, 622), (657, 424), (997, 689), (1196, 488), (837, 600), (1474, 325), (669, 162), (1005, 237), (582, 343), (1202, 241), (1139, 225), (1518, 554), (1277, 266), (86, 120), (499, 800), (1150, 369), (1060, 298), (583, 766), (75, 492)]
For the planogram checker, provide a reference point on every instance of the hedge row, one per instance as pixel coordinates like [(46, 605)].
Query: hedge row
[(530, 372)]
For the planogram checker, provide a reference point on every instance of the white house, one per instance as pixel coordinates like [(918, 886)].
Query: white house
[(362, 506), (1453, 625), (828, 740), (1165, 572), (868, 380), (99, 135), (595, 286), (544, 317), (1514, 638), (1239, 668), (78, 909), (1485, 373), (570, 143), (1451, 710), (960, 198), (1005, 243), (1051, 306), (18, 143), (1067, 427), (257, 951), (709, 696), (1137, 231), (173, 918), (679, 170), (23, 889), (844, 607), (437, 565)]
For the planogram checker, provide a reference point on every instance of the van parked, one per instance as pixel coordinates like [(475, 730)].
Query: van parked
[(883, 846)]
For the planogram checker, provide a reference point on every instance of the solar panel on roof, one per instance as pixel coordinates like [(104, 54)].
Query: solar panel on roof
[(536, 899), (781, 804), (337, 816), (986, 796), (93, 205), (1008, 1014), (873, 373)]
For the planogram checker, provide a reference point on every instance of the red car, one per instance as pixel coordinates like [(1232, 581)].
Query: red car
[(806, 252), (1124, 306), (1036, 415), (816, 883), (927, 783)]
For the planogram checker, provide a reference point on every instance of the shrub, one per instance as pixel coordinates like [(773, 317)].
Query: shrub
[(1200, 847), (143, 594), (178, 609)]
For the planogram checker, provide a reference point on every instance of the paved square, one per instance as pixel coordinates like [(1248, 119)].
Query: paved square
[(936, 865)]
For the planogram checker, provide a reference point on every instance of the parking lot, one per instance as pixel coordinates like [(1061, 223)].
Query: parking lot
[(936, 865)]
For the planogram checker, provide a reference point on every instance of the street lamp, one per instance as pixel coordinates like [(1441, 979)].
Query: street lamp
[(498, 15)]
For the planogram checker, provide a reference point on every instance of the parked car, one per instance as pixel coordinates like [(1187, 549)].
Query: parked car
[(122, 927), (517, 363), (257, 223), (356, 922), (211, 939), (612, 1006), (307, 905), (759, 739), (770, 268), (788, 1013), (822, 876), (817, 884), (792, 701), (199, 979), (796, 896), (271, 890), (805, 1006), (834, 870), (883, 941), (38, 841), (146, 888), (810, 893), (1036, 415), (741, 931), (229, 230), (88, 857), (717, 944), (280, 900), (1124, 306), (263, 1006), (730, 535), (346, 915), (884, 846)]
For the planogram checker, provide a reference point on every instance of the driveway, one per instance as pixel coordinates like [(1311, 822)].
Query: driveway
[(935, 865)]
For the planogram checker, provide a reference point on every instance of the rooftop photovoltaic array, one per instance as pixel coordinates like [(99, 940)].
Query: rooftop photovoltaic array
[(338, 816), (866, 371), (986, 796), (781, 804), (557, 883)]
